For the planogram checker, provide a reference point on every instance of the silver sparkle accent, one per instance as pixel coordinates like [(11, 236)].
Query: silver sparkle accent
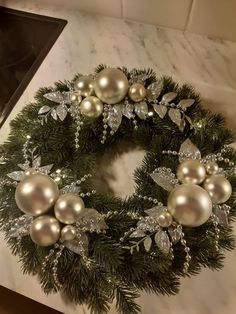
[(188, 151), (164, 178), (79, 245), (161, 110), (147, 243), (185, 103), (154, 90), (162, 241), (19, 227), (175, 116), (141, 110)]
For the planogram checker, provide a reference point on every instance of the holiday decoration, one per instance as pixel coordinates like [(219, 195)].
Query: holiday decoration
[(95, 247)]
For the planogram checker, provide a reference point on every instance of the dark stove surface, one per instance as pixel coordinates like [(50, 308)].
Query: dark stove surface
[(25, 40)]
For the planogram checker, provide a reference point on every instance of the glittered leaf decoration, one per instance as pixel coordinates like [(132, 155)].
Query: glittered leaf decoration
[(44, 109), (61, 112), (114, 118), (137, 234), (160, 110), (147, 243), (54, 114), (79, 245), (71, 188), (92, 220), (54, 96), (46, 169), (23, 166), (175, 233), (36, 162), (222, 216), (189, 151), (189, 121), (67, 96), (162, 241), (128, 111), (163, 179), (167, 98), (154, 90), (185, 103), (175, 116), (182, 124), (16, 175), (155, 211), (141, 110), (20, 226)]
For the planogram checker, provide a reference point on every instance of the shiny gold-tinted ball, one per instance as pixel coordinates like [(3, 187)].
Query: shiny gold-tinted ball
[(45, 230), (165, 219), (218, 187), (84, 85), (91, 107), (68, 233), (191, 171), (212, 167), (36, 194), (137, 92)]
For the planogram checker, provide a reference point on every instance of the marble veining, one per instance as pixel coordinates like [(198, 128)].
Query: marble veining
[(209, 64)]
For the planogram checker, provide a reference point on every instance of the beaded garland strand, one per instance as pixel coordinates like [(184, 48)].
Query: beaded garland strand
[(107, 247)]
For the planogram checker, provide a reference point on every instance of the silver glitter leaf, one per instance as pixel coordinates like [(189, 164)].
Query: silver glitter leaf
[(160, 110), (54, 114), (16, 175), (148, 224), (186, 103), (189, 151), (167, 98), (182, 124), (163, 180), (36, 162), (44, 109), (175, 234), (92, 220), (20, 227), (79, 245), (141, 110), (137, 234), (71, 188), (139, 78), (147, 243), (61, 112), (23, 166), (155, 211), (114, 118), (175, 116), (154, 90), (54, 96), (162, 241), (128, 111), (67, 96), (46, 169), (222, 216), (189, 121)]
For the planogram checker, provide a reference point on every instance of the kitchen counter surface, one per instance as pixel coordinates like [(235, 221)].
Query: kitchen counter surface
[(209, 64)]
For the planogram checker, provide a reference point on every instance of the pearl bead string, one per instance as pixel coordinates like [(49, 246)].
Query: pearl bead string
[(106, 109), (55, 264), (187, 250), (215, 221), (79, 123), (25, 151)]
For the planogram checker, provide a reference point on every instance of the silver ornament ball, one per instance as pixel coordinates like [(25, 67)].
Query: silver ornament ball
[(212, 167), (68, 233), (137, 92), (191, 171), (68, 208), (84, 85), (45, 230), (111, 86), (219, 188), (91, 107), (36, 194), (165, 219), (190, 205)]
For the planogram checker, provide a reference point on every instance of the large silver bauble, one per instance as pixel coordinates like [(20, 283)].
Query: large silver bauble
[(137, 92), (84, 85), (68, 208), (219, 188), (212, 167), (190, 205), (45, 230), (111, 86), (91, 107), (68, 233), (36, 194), (191, 171), (165, 219)]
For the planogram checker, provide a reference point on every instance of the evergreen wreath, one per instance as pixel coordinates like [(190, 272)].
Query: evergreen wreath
[(97, 248)]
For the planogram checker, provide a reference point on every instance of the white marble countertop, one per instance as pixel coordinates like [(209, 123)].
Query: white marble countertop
[(210, 65)]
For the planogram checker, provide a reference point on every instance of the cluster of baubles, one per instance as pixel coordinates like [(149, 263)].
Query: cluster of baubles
[(110, 87), (38, 195), (191, 202)]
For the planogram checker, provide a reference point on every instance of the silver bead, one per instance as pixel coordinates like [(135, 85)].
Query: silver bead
[(218, 187), (137, 92), (212, 167)]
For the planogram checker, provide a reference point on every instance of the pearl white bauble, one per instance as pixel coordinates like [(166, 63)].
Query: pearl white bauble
[(111, 86), (36, 194), (190, 205), (68, 208), (137, 92), (191, 171), (219, 188), (45, 230), (165, 219), (91, 107), (68, 233), (84, 85), (212, 167)]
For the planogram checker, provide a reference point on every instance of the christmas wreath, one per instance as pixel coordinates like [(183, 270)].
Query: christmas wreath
[(95, 247)]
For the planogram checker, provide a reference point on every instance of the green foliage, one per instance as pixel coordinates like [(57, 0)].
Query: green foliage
[(115, 273)]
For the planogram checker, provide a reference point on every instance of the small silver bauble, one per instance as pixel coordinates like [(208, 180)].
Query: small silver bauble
[(84, 85), (137, 92), (45, 230), (68, 233), (190, 205), (165, 219), (68, 208), (191, 171), (91, 107), (111, 86), (212, 167), (36, 194), (218, 187)]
